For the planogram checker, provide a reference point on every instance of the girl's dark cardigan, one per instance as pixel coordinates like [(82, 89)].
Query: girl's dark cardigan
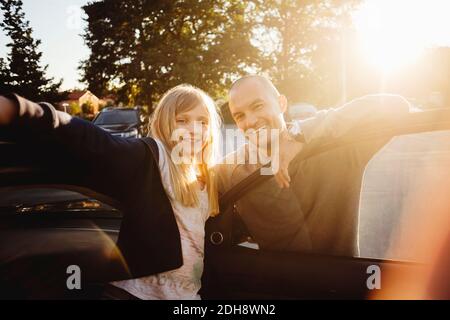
[(124, 169)]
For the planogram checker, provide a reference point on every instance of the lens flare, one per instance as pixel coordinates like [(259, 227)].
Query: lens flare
[(394, 33)]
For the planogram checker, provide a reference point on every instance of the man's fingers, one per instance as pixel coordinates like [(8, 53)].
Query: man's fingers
[(282, 178), (285, 177), (277, 180), (285, 173)]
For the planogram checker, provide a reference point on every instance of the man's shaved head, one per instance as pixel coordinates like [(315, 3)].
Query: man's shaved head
[(265, 82), (254, 103)]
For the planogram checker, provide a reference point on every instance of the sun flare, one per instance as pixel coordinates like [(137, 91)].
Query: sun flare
[(394, 33)]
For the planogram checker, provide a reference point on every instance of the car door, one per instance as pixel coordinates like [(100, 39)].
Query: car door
[(348, 197), (52, 228)]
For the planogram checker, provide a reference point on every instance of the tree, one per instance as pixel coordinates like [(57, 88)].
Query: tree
[(23, 72), (75, 109), (144, 47), (87, 108), (141, 48), (302, 46), (4, 74)]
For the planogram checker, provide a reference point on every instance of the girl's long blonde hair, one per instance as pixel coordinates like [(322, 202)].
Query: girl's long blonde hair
[(179, 99)]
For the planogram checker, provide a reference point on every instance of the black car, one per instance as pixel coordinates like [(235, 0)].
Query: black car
[(122, 122), (48, 223)]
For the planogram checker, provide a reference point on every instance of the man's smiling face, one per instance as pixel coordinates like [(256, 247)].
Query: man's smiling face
[(255, 104)]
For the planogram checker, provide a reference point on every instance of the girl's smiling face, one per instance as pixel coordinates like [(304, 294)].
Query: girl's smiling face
[(192, 129), (187, 123)]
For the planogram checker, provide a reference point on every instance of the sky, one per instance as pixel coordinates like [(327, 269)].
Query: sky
[(395, 33), (59, 25)]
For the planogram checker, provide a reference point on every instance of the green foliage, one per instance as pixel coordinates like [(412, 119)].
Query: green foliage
[(226, 114), (145, 47), (75, 109), (22, 72), (87, 108), (302, 43), (141, 48), (4, 74)]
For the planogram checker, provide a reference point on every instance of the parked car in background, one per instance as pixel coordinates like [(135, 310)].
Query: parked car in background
[(123, 122)]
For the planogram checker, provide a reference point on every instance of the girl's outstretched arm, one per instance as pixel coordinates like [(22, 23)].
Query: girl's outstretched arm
[(112, 163)]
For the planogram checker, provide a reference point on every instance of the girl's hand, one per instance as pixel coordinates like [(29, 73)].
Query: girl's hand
[(8, 111)]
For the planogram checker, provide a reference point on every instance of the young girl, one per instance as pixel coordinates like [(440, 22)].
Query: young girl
[(185, 120), (168, 194)]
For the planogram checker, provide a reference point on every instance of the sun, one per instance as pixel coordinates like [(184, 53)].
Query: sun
[(394, 33)]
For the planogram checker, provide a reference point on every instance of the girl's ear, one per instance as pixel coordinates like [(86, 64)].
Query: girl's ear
[(282, 100)]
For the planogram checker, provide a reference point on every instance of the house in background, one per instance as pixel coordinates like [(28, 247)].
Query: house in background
[(78, 98)]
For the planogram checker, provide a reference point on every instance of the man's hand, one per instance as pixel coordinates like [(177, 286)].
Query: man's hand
[(288, 149), (8, 111)]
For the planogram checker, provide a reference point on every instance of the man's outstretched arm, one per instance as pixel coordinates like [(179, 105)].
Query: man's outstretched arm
[(333, 123)]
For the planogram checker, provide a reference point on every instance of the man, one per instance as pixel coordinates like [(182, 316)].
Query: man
[(284, 218)]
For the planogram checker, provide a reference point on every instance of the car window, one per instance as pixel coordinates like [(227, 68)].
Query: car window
[(34, 201), (116, 117), (349, 201), (397, 180)]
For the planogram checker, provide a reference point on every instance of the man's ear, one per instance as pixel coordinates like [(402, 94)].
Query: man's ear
[(282, 100)]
